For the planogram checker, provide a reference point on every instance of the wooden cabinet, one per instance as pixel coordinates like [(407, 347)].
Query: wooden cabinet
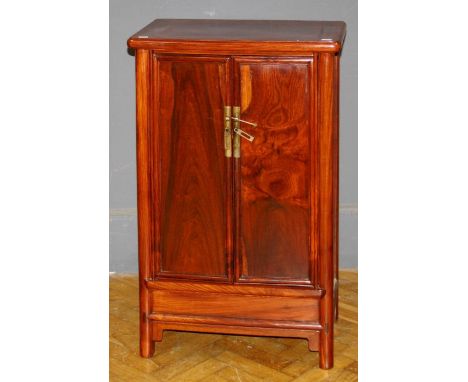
[(237, 148)]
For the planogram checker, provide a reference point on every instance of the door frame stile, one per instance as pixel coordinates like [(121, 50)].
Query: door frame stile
[(154, 156), (229, 203), (236, 179), (314, 175)]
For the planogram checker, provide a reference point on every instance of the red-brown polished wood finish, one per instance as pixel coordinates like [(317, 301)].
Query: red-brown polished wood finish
[(326, 204), (144, 196), (243, 245), (194, 185), (274, 171)]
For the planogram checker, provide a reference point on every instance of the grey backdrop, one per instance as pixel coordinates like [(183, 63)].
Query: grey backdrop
[(127, 17)]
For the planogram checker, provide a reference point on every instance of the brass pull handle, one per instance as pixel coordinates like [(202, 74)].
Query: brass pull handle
[(247, 122), (243, 134), (238, 132)]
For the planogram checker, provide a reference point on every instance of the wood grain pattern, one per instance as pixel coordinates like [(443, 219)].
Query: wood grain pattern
[(258, 289), (240, 322), (187, 356), (195, 187), (274, 170), (236, 306)]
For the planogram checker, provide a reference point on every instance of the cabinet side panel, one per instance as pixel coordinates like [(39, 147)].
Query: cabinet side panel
[(194, 186), (275, 170)]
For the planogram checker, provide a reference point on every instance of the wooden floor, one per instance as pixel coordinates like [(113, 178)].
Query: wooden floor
[(212, 357)]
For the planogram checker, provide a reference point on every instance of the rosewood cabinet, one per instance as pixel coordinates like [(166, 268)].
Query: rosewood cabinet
[(237, 153)]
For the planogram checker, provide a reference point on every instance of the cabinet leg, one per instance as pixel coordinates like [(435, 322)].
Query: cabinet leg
[(146, 340), (326, 351), (146, 348)]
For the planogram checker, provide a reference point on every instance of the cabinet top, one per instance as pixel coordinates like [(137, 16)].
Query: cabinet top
[(297, 36)]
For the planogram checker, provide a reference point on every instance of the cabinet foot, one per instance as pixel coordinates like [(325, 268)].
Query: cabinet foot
[(146, 349), (325, 357), (325, 363), (146, 338)]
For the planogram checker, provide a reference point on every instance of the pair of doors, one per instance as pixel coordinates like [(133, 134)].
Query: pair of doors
[(237, 217)]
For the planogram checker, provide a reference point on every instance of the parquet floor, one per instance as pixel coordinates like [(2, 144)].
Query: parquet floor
[(220, 358)]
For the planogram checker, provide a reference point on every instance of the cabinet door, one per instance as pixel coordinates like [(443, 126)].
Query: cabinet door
[(192, 188), (274, 176)]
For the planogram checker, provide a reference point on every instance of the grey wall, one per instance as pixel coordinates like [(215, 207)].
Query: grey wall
[(127, 17)]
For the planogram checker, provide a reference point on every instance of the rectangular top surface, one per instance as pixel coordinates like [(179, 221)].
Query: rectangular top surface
[(326, 33)]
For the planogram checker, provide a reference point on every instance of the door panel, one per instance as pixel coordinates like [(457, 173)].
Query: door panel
[(195, 198), (273, 173)]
